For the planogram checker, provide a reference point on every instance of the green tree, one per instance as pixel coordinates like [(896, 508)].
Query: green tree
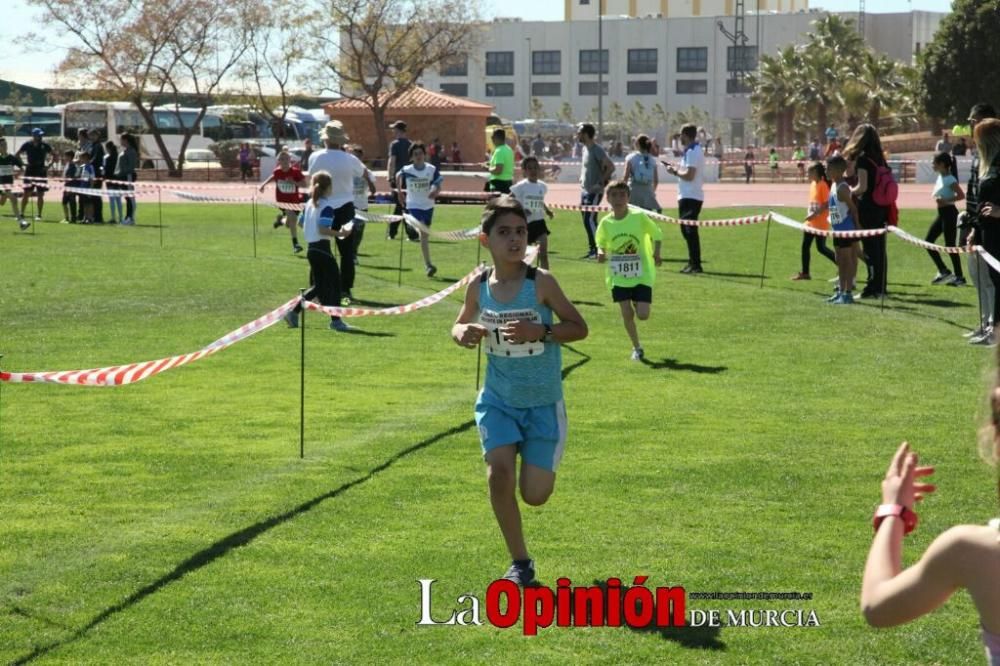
[(776, 93), (537, 108), (565, 113), (959, 66)]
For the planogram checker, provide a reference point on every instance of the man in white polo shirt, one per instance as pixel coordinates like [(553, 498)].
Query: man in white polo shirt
[(690, 193)]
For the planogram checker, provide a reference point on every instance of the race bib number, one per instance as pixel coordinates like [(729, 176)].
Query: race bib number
[(418, 186), (835, 220), (286, 186), (6, 170), (535, 204), (626, 265), (495, 343)]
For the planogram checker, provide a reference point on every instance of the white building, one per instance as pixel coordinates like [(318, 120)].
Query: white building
[(675, 62), (579, 10)]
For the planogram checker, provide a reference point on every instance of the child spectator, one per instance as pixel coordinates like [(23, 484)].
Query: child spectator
[(818, 217), (633, 242), (843, 217), (69, 199), (946, 192), (773, 162), (85, 179), (641, 175)]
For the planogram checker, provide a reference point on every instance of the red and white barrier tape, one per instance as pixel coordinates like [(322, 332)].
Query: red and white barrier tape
[(732, 222), (910, 238), (120, 375), (459, 235), (858, 233)]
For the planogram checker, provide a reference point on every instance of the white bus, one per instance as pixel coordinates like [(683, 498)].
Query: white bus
[(114, 118), (16, 123)]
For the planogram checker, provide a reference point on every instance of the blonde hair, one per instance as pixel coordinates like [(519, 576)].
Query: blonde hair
[(987, 135), (321, 183)]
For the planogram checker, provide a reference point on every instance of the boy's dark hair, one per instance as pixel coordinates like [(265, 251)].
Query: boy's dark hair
[(690, 131), (69, 153), (942, 158), (505, 203), (983, 110), (588, 129), (836, 162), (417, 145), (618, 185), (528, 160), (642, 142), (499, 133)]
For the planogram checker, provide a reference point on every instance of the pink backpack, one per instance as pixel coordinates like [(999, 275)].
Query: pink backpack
[(885, 191)]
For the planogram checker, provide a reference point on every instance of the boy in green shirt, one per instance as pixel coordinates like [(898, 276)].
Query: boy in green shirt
[(629, 243), (501, 164)]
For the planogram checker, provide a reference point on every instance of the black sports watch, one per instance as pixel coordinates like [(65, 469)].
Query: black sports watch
[(548, 333)]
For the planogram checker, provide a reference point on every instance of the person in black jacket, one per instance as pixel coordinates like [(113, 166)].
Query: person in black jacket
[(987, 136), (864, 155)]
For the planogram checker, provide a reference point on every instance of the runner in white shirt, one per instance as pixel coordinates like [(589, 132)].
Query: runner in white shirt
[(419, 184), (530, 193)]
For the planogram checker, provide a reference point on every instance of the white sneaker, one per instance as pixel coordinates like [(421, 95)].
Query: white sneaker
[(23, 223), (638, 354), (987, 339), (38, 218)]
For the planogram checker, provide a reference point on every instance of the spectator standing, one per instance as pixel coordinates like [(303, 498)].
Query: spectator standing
[(815, 151), (108, 169), (641, 175), (399, 156), (38, 159), (831, 134), (456, 156), (538, 147), (125, 172), (960, 148), (968, 226), (865, 155), (97, 159), (690, 193), (943, 145), (246, 166), (596, 169)]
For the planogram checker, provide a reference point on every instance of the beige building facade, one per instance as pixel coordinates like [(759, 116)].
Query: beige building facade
[(586, 10)]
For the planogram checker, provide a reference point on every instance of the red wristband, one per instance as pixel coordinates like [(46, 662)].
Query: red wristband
[(908, 517)]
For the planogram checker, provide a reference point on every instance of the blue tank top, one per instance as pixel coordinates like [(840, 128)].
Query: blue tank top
[(521, 375), (840, 214)]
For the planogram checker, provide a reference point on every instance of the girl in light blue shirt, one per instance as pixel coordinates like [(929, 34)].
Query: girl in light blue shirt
[(946, 192)]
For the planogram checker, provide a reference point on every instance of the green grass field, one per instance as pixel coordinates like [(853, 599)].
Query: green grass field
[(172, 521)]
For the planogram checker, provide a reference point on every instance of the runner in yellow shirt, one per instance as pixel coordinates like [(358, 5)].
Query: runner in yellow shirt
[(629, 243)]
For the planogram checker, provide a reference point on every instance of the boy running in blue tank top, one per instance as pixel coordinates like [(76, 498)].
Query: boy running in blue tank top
[(520, 409)]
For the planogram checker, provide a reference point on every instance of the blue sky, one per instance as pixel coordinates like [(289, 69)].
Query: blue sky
[(33, 66)]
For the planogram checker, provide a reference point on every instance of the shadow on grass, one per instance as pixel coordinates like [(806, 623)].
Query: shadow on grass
[(385, 268), (753, 276), (369, 334), (698, 638), (933, 302), (593, 304), (674, 364), (573, 366), (235, 540)]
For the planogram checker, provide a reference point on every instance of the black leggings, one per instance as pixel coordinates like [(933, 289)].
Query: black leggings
[(345, 248), (946, 222), (807, 240), (324, 276)]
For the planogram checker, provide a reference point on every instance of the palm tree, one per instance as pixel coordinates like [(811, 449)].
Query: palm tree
[(833, 49), (775, 94)]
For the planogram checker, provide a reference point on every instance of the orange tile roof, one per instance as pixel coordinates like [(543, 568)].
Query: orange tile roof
[(415, 98)]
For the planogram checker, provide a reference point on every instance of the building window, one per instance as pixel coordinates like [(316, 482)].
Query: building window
[(692, 86), (456, 67), (546, 62), (546, 89), (734, 86), (642, 61), (741, 58), (641, 88), (590, 87), (499, 63), (456, 89), (584, 2), (499, 89), (592, 63), (692, 59)]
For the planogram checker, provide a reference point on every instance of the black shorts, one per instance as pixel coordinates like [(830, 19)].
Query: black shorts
[(841, 241), (536, 230), (34, 181), (499, 186), (640, 293)]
